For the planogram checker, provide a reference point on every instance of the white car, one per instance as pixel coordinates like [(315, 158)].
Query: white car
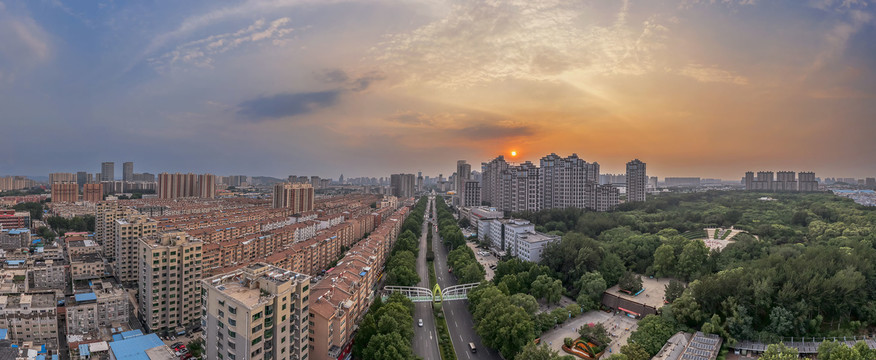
[(420, 322)]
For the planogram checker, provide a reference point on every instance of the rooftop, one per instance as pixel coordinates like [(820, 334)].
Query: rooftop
[(140, 348)]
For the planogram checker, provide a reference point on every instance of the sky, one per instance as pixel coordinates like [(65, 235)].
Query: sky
[(373, 87)]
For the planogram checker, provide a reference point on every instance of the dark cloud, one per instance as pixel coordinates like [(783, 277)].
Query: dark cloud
[(363, 82), (494, 131), (289, 104), (333, 76)]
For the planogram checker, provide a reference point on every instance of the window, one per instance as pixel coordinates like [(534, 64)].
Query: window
[(232, 333), (256, 340), (231, 310), (232, 322)]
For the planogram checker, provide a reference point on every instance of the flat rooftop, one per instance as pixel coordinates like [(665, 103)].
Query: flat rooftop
[(652, 295), (245, 295)]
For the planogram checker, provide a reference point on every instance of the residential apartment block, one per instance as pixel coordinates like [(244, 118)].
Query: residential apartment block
[(30, 317), (637, 179), (169, 274), (783, 181), (65, 192), (256, 312), (128, 232), (296, 196), (172, 186)]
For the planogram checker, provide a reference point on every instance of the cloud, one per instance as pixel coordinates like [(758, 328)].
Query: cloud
[(494, 131), (23, 44), (357, 84), (286, 105), (712, 74), (480, 40), (200, 52), (411, 118)]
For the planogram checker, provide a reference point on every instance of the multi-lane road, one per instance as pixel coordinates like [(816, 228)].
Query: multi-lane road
[(459, 319), (425, 337)]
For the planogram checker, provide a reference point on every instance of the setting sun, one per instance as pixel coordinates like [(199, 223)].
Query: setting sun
[(513, 153)]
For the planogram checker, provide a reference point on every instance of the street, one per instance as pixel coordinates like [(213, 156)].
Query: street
[(425, 337), (459, 319)]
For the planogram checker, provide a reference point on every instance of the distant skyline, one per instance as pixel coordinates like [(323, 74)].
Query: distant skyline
[(374, 87)]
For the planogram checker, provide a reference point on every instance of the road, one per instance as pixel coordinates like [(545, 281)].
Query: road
[(426, 337), (459, 319)]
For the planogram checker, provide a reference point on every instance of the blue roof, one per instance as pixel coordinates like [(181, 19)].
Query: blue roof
[(131, 333), (363, 273), (40, 357), (135, 348), (55, 357), (14, 262), (83, 350), (117, 337), (43, 350), (85, 296), (3, 333)]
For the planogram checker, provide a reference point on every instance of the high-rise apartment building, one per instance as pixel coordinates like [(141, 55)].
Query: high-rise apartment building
[(206, 186), (491, 183), (471, 194), (636, 181), (172, 186), (106, 214), (66, 192), (563, 181), (61, 178), (92, 192), (522, 188), (169, 282), (299, 197), (403, 185), (128, 171), (83, 178), (107, 171), (128, 232), (806, 181), (256, 312), (784, 181)]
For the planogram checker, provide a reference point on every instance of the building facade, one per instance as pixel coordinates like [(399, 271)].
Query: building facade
[(107, 171), (257, 312), (128, 232), (169, 275), (637, 179), (297, 196), (92, 192)]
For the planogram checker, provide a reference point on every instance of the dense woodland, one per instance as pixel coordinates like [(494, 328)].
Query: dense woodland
[(806, 269)]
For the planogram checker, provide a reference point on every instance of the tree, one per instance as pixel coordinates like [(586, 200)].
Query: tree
[(196, 347), (464, 222), (367, 329), (525, 301), (781, 321), (692, 258), (630, 282), (506, 328), (34, 208), (547, 288), (635, 352), (591, 285), (537, 352), (779, 352), (612, 268), (673, 290), (471, 273), (652, 333), (664, 261), (391, 346)]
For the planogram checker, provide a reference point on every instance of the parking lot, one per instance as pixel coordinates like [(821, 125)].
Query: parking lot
[(487, 260), (183, 339)]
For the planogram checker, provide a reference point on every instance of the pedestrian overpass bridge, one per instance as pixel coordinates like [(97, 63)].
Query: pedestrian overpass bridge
[(419, 294)]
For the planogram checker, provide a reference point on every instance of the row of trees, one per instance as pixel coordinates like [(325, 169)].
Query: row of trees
[(401, 268), (75, 224), (460, 258), (387, 331)]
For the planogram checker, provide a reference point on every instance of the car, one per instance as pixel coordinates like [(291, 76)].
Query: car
[(176, 345), (420, 322)]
